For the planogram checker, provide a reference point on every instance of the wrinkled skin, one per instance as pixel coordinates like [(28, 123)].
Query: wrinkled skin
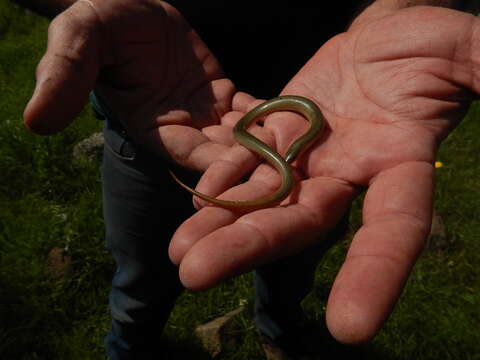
[(390, 90), (152, 69)]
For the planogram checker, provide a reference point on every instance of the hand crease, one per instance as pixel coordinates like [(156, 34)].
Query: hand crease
[(198, 147), (394, 259), (262, 237), (314, 216), (423, 225)]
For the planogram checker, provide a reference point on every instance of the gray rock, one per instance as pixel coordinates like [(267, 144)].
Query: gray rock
[(219, 333), (90, 148), (58, 265), (438, 239)]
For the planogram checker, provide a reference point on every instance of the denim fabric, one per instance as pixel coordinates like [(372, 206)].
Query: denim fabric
[(142, 209)]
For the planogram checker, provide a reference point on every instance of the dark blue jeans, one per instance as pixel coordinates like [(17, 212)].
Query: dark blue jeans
[(142, 209)]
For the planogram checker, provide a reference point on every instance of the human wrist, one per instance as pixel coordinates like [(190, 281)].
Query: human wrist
[(373, 10)]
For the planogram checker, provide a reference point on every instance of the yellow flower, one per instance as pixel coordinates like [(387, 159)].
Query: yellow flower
[(438, 164)]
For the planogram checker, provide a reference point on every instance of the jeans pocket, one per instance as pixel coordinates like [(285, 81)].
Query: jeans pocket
[(118, 143), (116, 138)]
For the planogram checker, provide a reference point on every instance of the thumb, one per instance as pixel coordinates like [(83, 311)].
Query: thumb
[(68, 70)]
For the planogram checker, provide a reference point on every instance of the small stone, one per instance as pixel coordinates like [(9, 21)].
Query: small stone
[(59, 264), (90, 148), (437, 240), (219, 333)]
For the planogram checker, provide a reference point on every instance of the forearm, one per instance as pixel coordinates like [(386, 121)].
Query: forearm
[(47, 8), (376, 9)]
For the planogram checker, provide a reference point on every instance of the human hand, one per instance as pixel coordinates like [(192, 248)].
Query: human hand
[(390, 90), (157, 76)]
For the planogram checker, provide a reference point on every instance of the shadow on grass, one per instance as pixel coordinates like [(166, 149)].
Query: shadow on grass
[(179, 349), (22, 327), (321, 345)]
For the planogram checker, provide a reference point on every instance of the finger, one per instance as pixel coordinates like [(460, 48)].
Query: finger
[(197, 150), (223, 133), (186, 146), (211, 246), (286, 127), (244, 102), (397, 216), (211, 218), (220, 134), (279, 131), (67, 72), (231, 166), (230, 119)]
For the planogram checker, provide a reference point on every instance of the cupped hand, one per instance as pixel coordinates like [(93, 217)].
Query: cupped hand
[(390, 90), (151, 69)]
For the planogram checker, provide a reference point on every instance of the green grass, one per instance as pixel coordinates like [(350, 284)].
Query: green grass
[(48, 201)]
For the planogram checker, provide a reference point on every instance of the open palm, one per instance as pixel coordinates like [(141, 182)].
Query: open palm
[(152, 71), (390, 90)]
